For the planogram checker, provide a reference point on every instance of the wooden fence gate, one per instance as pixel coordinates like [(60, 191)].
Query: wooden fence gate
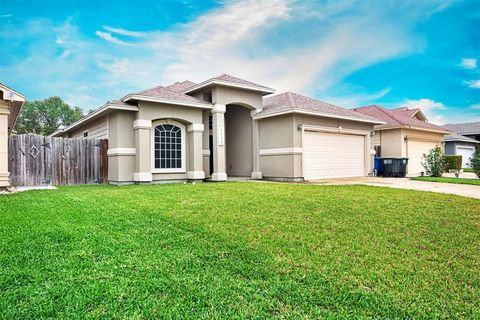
[(37, 160)]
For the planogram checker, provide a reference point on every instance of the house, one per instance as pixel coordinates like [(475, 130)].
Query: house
[(11, 103), (227, 127), (464, 140), (405, 133)]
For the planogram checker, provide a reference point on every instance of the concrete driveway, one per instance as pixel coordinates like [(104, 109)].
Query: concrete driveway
[(404, 183)]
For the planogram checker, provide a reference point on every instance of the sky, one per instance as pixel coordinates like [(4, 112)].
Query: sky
[(411, 53)]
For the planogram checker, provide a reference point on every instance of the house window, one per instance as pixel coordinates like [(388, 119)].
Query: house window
[(85, 134), (169, 147)]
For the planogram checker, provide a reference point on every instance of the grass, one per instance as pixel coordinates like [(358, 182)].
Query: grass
[(238, 250), (475, 182), (468, 170)]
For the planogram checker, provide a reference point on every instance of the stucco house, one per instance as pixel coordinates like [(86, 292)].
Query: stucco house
[(406, 133), (11, 103), (464, 140), (226, 126)]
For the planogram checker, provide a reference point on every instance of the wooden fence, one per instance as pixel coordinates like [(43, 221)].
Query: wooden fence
[(37, 160)]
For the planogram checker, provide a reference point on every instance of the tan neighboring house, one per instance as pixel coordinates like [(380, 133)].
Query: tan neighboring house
[(406, 134), (11, 103), (227, 127)]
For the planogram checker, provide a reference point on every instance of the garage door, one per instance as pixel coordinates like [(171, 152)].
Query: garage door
[(333, 155), (466, 153), (416, 149)]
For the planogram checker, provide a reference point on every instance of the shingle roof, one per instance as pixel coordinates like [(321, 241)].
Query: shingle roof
[(164, 93), (406, 111), (394, 118), (457, 137), (464, 128), (230, 79), (181, 86), (291, 101)]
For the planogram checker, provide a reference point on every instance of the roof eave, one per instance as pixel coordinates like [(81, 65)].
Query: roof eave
[(263, 90), (319, 114), (94, 115), (137, 97), (413, 128)]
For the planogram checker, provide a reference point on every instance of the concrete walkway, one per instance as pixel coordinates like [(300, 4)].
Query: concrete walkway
[(404, 183)]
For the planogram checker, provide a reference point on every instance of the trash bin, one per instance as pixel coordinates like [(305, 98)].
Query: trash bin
[(378, 166), (394, 167)]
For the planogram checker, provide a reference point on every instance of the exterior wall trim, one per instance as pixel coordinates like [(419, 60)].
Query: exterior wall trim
[(195, 127), (206, 152), (229, 84), (142, 124), (195, 175), (314, 113), (142, 177), (280, 151), (167, 101), (121, 152)]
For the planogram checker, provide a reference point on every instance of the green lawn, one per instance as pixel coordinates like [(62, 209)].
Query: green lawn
[(238, 250), (467, 170), (475, 182)]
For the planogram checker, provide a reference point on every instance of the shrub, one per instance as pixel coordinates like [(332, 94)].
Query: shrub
[(434, 162), (475, 162), (452, 162)]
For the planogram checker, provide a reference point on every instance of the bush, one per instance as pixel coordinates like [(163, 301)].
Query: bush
[(434, 163), (452, 162), (475, 162)]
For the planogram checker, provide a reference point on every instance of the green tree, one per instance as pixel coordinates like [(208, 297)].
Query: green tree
[(434, 162), (45, 116), (475, 162)]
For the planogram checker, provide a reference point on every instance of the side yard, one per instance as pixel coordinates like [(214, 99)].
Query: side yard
[(238, 250)]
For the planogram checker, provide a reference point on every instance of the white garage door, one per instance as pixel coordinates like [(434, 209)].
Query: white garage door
[(466, 153), (333, 155), (416, 149)]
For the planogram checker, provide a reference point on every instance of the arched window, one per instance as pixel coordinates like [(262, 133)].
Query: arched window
[(169, 147)]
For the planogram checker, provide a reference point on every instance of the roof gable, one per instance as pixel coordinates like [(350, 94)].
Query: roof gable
[(228, 80), (181, 86), (396, 118)]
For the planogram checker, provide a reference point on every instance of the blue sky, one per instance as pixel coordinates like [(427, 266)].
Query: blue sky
[(408, 53)]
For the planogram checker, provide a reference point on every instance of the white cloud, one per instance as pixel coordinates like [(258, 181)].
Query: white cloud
[(124, 32), (65, 54), (354, 100), (475, 84), (7, 15), (429, 107), (475, 106), (108, 37), (469, 63)]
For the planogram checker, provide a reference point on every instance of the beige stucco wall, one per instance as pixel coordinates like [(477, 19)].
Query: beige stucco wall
[(225, 95), (393, 142), (280, 142), (97, 129), (238, 141), (150, 111), (4, 174), (121, 145)]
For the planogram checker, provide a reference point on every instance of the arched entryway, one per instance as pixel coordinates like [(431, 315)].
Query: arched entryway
[(238, 140)]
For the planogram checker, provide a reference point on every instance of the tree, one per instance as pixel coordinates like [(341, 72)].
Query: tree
[(475, 162), (434, 163), (46, 116)]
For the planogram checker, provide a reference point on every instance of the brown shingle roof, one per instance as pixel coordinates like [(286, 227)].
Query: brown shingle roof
[(457, 137), (464, 128), (164, 93), (181, 86), (233, 80), (395, 118), (289, 101)]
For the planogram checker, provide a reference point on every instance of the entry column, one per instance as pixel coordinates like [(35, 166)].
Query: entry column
[(195, 166), (4, 174), (218, 132), (143, 156)]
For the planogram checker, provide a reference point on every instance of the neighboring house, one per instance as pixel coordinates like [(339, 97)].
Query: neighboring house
[(223, 127), (464, 141), (406, 133), (11, 103)]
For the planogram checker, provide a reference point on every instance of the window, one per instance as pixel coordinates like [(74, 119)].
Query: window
[(168, 148), (85, 134)]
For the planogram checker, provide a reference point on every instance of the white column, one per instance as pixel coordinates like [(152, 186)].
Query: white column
[(143, 146), (4, 174), (218, 131), (256, 173), (195, 166)]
